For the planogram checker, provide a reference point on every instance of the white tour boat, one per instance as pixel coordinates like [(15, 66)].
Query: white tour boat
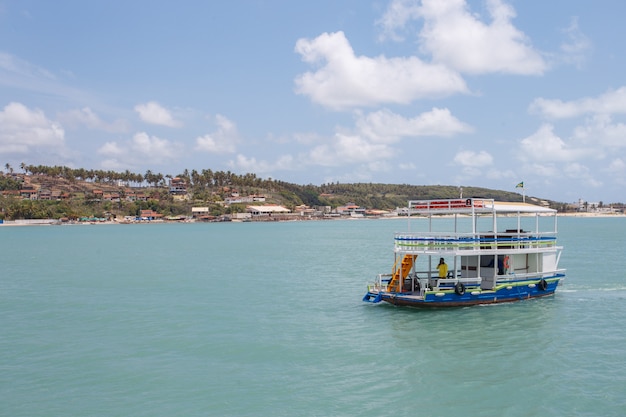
[(494, 252)]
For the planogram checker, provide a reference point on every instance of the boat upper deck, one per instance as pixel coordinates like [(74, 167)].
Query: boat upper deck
[(474, 206), (475, 227)]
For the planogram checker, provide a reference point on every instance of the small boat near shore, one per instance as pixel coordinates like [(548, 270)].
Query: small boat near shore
[(494, 252)]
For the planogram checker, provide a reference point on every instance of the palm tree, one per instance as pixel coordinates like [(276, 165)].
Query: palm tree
[(148, 177)]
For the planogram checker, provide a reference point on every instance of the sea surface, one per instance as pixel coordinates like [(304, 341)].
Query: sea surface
[(266, 319)]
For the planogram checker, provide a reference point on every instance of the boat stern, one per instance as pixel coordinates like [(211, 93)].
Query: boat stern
[(373, 297)]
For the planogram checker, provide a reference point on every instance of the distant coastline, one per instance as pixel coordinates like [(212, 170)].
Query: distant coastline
[(54, 222), (581, 214)]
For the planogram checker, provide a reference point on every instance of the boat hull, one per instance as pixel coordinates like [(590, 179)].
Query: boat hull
[(471, 297)]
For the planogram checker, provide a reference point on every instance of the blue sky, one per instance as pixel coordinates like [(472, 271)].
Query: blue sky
[(468, 93)]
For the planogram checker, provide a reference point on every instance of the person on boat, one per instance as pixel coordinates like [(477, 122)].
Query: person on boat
[(443, 268)]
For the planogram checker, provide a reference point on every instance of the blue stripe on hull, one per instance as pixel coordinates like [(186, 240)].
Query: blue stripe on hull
[(450, 299)]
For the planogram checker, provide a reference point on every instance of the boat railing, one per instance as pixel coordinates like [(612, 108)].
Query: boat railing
[(383, 280), (381, 283), (530, 275), (416, 242), (425, 279), (466, 281)]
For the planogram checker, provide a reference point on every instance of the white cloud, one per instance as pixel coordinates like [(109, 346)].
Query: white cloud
[(500, 174), (17, 72), (345, 80), (398, 14), (600, 130), (473, 159), (88, 118), (544, 145), (617, 165), (153, 113), (363, 149), (543, 170), (154, 148), (348, 149), (142, 149), (243, 163), (112, 149), (611, 102), (582, 173), (575, 48), (23, 130), (223, 140), (461, 40), (385, 126)]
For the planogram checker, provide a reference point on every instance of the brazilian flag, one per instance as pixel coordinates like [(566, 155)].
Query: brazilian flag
[(520, 185)]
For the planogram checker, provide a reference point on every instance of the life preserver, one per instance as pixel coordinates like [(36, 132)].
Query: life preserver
[(543, 285), (506, 262), (459, 288)]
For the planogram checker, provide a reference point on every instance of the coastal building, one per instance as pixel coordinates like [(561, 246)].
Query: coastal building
[(45, 194), (178, 186), (178, 189), (267, 210), (97, 194), (235, 198), (352, 210), (29, 192), (149, 215)]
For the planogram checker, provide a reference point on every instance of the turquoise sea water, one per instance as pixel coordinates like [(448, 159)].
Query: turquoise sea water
[(258, 319)]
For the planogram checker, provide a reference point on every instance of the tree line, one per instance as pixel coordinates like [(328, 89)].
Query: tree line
[(210, 188), (203, 178)]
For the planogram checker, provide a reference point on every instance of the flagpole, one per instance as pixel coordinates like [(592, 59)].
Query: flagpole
[(521, 185)]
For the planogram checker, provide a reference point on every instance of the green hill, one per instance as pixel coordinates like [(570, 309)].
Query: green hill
[(58, 192)]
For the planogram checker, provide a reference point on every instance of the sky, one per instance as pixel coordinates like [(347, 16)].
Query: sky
[(484, 93)]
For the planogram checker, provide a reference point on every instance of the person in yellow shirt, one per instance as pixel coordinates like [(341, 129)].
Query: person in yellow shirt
[(443, 268)]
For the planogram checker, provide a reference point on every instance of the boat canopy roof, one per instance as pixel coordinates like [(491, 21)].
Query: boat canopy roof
[(474, 206), (505, 207)]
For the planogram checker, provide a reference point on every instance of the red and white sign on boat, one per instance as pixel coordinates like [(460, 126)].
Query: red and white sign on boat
[(460, 203)]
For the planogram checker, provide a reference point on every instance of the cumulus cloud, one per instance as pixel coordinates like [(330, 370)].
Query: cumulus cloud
[(461, 40), (385, 126), (153, 113), (154, 148), (348, 149), (611, 102), (24, 130), (395, 19), (582, 173), (365, 148), (473, 159), (112, 149), (223, 140), (141, 149), (601, 130), (545, 145), (251, 164), (345, 80)]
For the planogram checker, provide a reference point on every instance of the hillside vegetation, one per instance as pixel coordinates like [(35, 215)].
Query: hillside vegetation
[(75, 193)]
